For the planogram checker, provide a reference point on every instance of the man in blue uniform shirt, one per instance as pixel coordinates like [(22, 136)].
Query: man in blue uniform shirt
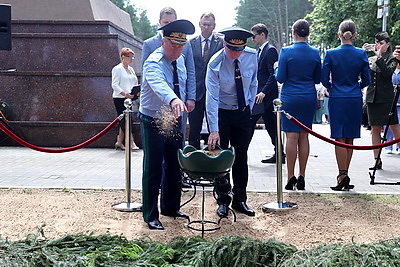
[(231, 83), (163, 90), (167, 15)]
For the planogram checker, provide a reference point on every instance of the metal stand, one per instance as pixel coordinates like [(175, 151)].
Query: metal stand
[(378, 158), (128, 205), (280, 205), (204, 225)]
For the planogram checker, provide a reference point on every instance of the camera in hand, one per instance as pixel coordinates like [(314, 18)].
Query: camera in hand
[(135, 91), (371, 47)]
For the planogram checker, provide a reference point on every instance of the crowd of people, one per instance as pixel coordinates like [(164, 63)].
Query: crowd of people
[(217, 78)]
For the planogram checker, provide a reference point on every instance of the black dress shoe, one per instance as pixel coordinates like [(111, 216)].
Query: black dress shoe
[(155, 225), (269, 160), (176, 214), (273, 160), (185, 185), (222, 211), (243, 208)]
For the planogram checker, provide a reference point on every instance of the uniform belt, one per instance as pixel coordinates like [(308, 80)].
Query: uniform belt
[(235, 108)]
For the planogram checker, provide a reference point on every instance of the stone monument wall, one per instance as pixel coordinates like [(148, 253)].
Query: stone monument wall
[(70, 10), (60, 93)]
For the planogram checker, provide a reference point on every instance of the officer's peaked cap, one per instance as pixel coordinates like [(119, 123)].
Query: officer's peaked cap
[(176, 30), (236, 38)]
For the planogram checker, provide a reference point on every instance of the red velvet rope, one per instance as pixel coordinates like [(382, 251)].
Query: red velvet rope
[(60, 150), (336, 143)]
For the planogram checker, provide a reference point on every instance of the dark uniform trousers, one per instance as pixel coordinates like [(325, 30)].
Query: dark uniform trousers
[(196, 122), (269, 119), (160, 166), (234, 130)]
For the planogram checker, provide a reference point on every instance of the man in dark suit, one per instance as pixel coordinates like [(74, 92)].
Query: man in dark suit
[(267, 86), (203, 46)]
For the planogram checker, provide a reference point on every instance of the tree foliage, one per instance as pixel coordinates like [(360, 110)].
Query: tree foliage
[(324, 15), (277, 15), (140, 22), (328, 14)]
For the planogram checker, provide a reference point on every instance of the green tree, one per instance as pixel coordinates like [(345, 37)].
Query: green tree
[(140, 22), (394, 15), (328, 14), (277, 15), (143, 28)]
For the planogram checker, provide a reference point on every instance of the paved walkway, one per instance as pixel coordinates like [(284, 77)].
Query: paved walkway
[(100, 168)]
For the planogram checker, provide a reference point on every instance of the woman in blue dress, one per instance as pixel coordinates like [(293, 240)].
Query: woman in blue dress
[(299, 69), (341, 70)]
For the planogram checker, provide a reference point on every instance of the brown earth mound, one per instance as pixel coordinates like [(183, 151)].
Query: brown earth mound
[(319, 219)]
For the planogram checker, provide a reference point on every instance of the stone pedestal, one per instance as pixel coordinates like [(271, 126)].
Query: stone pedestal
[(60, 93)]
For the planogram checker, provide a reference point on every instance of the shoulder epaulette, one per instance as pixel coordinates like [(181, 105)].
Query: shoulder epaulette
[(216, 60), (250, 50), (157, 56)]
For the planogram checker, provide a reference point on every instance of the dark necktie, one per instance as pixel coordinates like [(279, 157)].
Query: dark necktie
[(176, 80), (239, 87), (205, 50), (258, 53)]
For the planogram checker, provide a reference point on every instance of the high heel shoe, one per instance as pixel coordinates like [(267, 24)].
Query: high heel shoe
[(344, 185), (291, 183), (301, 184), (351, 186), (134, 147), (376, 166), (119, 146)]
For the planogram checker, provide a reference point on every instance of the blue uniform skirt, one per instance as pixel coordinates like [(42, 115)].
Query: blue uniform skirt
[(302, 107), (345, 116)]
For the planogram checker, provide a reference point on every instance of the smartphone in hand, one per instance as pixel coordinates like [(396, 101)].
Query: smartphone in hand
[(135, 91)]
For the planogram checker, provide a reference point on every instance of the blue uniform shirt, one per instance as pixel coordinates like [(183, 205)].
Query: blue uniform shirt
[(221, 87), (157, 83), (151, 44)]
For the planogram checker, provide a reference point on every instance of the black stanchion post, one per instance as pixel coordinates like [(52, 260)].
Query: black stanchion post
[(128, 205), (280, 205)]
